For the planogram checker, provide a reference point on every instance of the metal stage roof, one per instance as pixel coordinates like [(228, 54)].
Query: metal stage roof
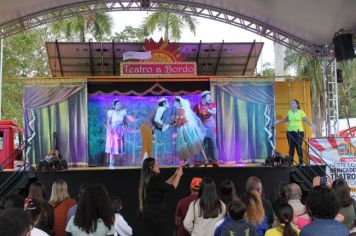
[(103, 59), (304, 25)]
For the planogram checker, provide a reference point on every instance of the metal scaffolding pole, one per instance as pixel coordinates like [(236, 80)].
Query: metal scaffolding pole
[(1, 63), (332, 98)]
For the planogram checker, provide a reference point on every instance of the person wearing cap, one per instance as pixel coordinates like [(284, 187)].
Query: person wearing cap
[(183, 205), (116, 122), (153, 122), (206, 111)]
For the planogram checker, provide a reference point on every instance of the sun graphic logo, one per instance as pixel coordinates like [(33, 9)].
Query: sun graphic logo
[(162, 51)]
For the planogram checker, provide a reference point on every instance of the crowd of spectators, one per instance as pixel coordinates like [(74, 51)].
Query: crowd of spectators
[(328, 209)]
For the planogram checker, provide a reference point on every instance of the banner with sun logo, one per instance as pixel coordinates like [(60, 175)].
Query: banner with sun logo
[(163, 60)]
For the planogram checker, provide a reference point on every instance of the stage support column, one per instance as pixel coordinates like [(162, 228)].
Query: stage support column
[(1, 62)]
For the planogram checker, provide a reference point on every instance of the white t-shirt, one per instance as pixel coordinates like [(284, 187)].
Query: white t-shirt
[(101, 229), (38, 232), (121, 226)]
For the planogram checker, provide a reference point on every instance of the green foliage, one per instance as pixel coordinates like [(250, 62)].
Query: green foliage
[(130, 34), (267, 70), (79, 28), (347, 89), (25, 54), (11, 107), (172, 24)]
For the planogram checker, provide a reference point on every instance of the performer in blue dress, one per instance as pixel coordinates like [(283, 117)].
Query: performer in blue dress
[(190, 137)]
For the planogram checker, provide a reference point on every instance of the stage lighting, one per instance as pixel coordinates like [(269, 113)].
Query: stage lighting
[(145, 4)]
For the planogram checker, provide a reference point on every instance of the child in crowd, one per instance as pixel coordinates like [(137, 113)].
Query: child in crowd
[(238, 225), (284, 219), (121, 226)]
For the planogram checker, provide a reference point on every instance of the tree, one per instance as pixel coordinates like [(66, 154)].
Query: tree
[(24, 56), (347, 89), (310, 67), (78, 28), (130, 34), (172, 24), (267, 70)]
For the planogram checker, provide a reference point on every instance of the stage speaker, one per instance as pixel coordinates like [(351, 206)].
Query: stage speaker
[(343, 47), (339, 77), (145, 4)]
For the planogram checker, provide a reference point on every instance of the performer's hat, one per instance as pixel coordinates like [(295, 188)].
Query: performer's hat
[(205, 93), (195, 183), (162, 100)]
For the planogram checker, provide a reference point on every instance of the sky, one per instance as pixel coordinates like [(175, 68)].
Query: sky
[(221, 31)]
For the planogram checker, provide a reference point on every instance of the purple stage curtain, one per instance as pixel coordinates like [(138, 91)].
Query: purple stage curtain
[(60, 108), (245, 116)]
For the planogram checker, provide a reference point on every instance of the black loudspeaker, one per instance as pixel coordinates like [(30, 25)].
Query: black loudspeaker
[(343, 47), (339, 77)]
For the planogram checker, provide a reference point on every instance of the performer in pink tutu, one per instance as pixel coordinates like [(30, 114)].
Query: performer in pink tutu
[(190, 137), (115, 128)]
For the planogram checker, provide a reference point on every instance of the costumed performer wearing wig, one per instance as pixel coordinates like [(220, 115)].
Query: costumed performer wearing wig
[(295, 131), (190, 137), (153, 122), (116, 123)]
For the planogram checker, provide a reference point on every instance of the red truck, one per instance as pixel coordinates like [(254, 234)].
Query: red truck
[(10, 138)]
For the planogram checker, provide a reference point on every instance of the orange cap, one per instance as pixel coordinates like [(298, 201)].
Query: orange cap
[(195, 183)]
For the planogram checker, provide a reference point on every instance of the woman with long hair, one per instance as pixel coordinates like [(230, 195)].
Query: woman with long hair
[(46, 221), (206, 211), (228, 191), (227, 194), (295, 130), (33, 208), (284, 219), (342, 192), (189, 135), (152, 191), (255, 213), (94, 215), (61, 202)]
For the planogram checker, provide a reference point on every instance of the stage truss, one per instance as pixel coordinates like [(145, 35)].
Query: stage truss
[(179, 7)]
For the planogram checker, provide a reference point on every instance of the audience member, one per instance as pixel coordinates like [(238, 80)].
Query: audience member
[(255, 213), (322, 205), (122, 228), (61, 202), (353, 229), (73, 209), (183, 205), (238, 224), (342, 192), (15, 222), (152, 191), (227, 194), (94, 215), (284, 219), (228, 191), (46, 221), (34, 210), (294, 194), (12, 201), (206, 211), (254, 183), (282, 196)]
